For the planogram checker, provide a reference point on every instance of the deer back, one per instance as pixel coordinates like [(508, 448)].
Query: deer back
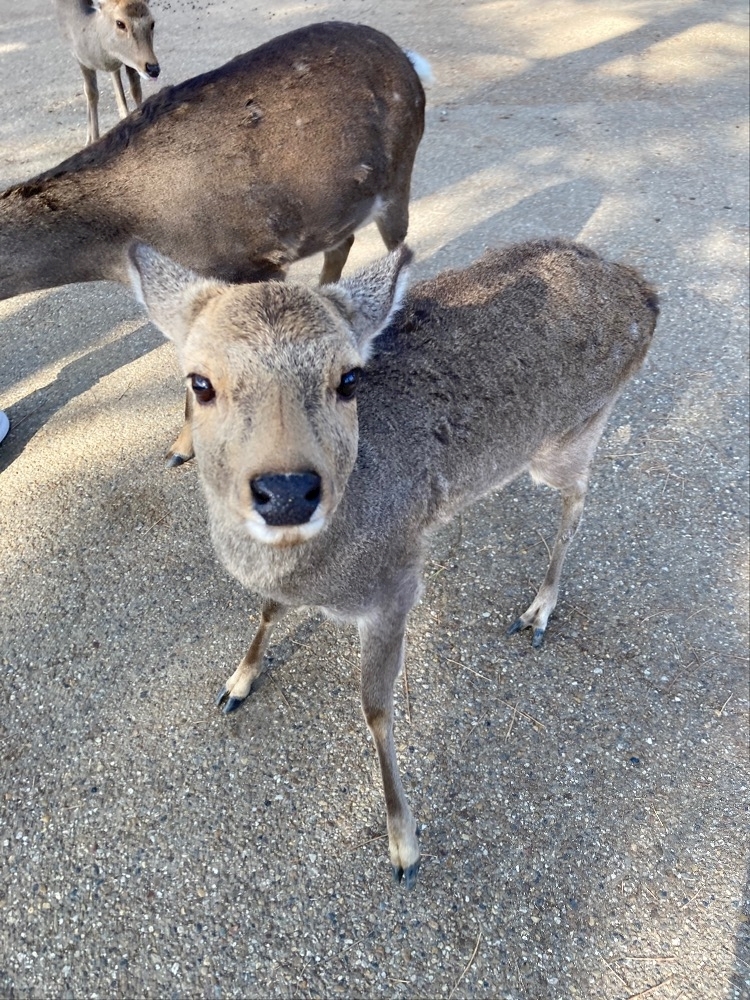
[(486, 363)]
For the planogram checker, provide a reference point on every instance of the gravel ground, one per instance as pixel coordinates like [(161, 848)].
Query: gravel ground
[(584, 809)]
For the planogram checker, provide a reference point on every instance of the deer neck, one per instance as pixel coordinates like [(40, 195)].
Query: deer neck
[(55, 231)]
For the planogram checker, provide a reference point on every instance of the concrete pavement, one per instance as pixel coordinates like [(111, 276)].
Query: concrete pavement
[(584, 808)]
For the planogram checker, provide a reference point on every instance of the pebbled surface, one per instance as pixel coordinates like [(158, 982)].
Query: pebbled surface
[(406, 877), (584, 807)]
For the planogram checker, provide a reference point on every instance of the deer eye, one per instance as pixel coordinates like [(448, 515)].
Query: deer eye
[(201, 386), (348, 384), (120, 25)]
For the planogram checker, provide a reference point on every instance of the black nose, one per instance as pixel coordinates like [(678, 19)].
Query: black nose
[(153, 70), (286, 499)]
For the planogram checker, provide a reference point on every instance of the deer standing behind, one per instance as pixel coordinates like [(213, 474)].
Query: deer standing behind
[(282, 152), (106, 35), (334, 428)]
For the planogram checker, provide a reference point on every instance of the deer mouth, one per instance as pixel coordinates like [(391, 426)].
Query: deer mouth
[(284, 536), (148, 71)]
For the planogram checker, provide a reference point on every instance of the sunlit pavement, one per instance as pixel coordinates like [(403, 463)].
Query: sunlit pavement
[(584, 808)]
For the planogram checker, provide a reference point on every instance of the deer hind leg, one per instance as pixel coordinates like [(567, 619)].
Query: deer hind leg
[(91, 90), (237, 688), (134, 82), (122, 104), (393, 219), (382, 643), (334, 260), (563, 464), (182, 448)]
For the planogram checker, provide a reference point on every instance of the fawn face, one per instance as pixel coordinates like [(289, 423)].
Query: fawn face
[(127, 29), (273, 369), (275, 412)]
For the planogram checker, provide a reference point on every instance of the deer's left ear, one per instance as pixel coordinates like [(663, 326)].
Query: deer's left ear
[(371, 297), (173, 295)]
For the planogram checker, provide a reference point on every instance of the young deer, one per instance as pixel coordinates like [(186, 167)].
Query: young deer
[(281, 153), (334, 428), (106, 35)]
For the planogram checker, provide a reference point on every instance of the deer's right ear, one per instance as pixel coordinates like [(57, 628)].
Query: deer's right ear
[(173, 295)]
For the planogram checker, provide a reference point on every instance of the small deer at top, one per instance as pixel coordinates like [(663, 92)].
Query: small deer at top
[(106, 35), (335, 428)]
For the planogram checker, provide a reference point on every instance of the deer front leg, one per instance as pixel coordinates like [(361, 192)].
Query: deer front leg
[(382, 644), (134, 80), (237, 688), (334, 260), (537, 615), (182, 448), (91, 90), (122, 104)]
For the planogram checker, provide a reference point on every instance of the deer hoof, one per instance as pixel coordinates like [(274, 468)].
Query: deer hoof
[(519, 625), (406, 876), (232, 704), (173, 459)]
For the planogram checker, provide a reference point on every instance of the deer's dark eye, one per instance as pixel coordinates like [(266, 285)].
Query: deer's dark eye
[(348, 384), (201, 386), (120, 25)]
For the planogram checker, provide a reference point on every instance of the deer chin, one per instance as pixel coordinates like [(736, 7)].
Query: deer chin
[(284, 536)]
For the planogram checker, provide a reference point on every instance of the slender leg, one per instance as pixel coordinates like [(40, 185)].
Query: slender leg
[(134, 80), (91, 90), (334, 260), (542, 606), (182, 448), (122, 104), (237, 688), (564, 465), (382, 642)]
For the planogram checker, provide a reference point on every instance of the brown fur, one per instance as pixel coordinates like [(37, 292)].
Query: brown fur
[(510, 365)]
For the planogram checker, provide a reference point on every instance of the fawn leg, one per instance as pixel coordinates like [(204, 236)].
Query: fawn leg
[(134, 81), (122, 104), (91, 90), (563, 464), (382, 642), (237, 688), (182, 448), (334, 260)]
